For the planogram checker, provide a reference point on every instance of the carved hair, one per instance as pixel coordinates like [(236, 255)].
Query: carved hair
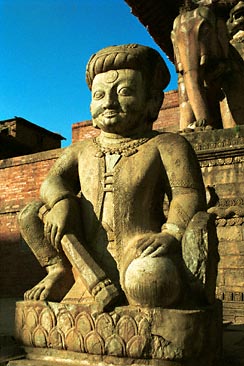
[(131, 56)]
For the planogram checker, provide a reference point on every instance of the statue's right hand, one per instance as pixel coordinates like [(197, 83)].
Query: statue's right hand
[(157, 245), (62, 218)]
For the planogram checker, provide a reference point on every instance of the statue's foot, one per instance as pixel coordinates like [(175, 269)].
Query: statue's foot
[(199, 125), (54, 286)]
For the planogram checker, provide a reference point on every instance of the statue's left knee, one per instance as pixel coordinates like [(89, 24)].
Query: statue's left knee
[(152, 282)]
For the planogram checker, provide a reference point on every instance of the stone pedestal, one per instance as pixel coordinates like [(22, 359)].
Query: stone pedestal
[(58, 333), (221, 156)]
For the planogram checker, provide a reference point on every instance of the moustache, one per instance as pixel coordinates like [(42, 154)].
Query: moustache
[(105, 113)]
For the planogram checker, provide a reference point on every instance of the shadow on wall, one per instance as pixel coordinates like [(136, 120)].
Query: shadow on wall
[(19, 269), (233, 344), (7, 315)]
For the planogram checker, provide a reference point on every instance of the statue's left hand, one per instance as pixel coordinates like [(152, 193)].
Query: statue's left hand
[(156, 245)]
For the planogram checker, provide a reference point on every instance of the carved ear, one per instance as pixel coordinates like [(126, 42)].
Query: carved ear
[(154, 104)]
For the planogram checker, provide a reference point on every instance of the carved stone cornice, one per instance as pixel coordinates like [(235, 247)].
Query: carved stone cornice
[(233, 221), (229, 211), (231, 203), (218, 147), (218, 161)]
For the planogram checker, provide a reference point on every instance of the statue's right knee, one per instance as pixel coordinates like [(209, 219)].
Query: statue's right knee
[(29, 214)]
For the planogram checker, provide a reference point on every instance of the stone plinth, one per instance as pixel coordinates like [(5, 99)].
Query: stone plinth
[(128, 335), (221, 156)]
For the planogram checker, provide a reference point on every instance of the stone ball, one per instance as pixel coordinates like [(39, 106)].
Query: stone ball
[(152, 282)]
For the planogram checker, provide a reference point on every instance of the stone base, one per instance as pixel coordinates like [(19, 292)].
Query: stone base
[(73, 333), (48, 357)]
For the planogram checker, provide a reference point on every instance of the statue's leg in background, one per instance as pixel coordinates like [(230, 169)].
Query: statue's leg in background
[(59, 277), (186, 113)]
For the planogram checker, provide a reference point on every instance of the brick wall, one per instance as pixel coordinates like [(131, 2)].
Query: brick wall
[(20, 180), (168, 119), (83, 130)]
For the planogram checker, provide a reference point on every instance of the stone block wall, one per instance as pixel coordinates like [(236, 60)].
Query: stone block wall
[(221, 156)]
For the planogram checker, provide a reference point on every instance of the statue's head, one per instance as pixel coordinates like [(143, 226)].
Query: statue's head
[(127, 85)]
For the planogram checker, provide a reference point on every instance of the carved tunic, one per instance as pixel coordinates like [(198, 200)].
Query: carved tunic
[(126, 199)]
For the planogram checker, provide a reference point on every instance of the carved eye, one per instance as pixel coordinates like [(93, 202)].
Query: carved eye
[(99, 94), (125, 91)]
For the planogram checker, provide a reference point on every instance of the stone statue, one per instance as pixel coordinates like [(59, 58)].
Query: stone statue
[(106, 239), (108, 192), (235, 25), (211, 72)]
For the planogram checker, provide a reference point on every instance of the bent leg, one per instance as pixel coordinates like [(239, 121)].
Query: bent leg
[(32, 230), (59, 277)]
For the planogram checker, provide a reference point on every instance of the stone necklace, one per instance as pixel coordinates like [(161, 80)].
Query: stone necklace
[(126, 147)]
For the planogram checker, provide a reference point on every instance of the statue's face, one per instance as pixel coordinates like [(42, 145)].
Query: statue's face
[(118, 101)]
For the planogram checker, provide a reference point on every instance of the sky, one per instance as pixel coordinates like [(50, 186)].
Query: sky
[(45, 46)]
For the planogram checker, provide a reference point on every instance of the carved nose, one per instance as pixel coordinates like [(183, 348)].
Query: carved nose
[(110, 101)]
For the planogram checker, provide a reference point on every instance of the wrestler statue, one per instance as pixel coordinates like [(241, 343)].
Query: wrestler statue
[(104, 196)]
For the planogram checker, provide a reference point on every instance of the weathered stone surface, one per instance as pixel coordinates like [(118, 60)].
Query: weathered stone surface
[(127, 332), (231, 261), (235, 27), (90, 214), (127, 278), (212, 147), (231, 248), (210, 70), (230, 233), (200, 253), (234, 276), (221, 156)]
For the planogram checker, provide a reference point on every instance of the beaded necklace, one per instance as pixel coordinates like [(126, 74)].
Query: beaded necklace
[(125, 148)]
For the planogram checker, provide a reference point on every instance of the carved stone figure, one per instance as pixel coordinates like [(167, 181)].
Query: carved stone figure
[(211, 72), (235, 25), (104, 236)]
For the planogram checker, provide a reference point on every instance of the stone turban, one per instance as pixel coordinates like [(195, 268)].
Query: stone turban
[(130, 56)]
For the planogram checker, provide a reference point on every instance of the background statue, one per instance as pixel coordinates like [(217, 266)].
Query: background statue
[(235, 25), (101, 209), (211, 72)]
